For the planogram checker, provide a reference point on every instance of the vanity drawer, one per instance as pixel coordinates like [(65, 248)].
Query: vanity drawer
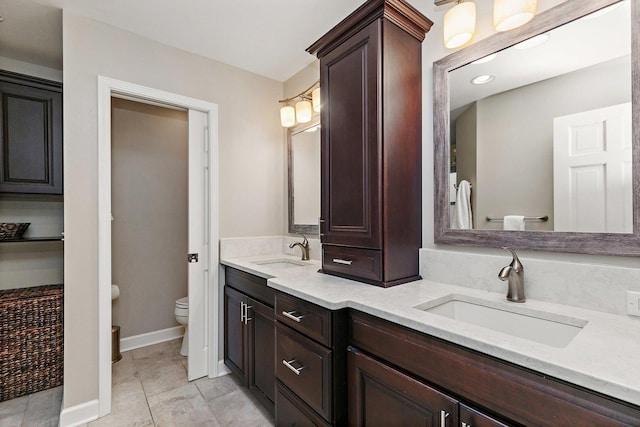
[(364, 263), (305, 367), (305, 317), (294, 412)]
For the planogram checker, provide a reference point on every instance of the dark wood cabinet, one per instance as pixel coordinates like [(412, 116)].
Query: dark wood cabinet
[(380, 395), (370, 82), (508, 394), (310, 363), (31, 135), (249, 335)]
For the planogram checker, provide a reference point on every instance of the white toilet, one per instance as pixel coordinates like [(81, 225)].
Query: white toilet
[(182, 316)]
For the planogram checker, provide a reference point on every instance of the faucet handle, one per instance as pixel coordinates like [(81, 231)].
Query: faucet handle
[(515, 263), (305, 242)]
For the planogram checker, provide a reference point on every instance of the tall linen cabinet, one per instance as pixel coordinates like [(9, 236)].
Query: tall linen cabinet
[(371, 91)]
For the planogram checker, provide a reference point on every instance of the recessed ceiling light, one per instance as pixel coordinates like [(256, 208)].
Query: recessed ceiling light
[(483, 79), (533, 42), (485, 59), (603, 11)]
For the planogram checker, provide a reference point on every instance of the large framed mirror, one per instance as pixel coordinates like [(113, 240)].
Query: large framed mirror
[(303, 147), (537, 134)]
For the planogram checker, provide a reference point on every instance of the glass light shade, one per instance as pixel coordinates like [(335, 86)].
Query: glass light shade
[(459, 24), (287, 116), (303, 111), (315, 99), (510, 14)]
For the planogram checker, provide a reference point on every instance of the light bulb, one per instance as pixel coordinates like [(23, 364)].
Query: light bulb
[(287, 116), (303, 111), (459, 24), (510, 14), (315, 98)]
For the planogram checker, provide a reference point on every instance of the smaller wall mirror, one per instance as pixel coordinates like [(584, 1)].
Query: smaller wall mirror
[(303, 146)]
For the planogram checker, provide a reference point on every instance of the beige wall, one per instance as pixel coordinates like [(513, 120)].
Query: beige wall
[(149, 232), (251, 161)]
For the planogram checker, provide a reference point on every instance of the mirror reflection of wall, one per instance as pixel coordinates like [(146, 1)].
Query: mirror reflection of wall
[(503, 131), (304, 179)]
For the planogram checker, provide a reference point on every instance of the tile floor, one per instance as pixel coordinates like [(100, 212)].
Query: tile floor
[(150, 388)]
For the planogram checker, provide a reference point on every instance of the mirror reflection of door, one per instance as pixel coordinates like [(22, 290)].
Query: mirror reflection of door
[(592, 171)]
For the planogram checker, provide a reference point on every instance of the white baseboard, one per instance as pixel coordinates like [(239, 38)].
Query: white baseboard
[(79, 414), (222, 369), (151, 338)]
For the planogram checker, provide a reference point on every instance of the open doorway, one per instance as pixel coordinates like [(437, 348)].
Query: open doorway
[(200, 258)]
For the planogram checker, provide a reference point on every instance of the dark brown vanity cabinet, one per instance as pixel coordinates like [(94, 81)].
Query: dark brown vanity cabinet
[(31, 135), (249, 333), (310, 364), (408, 378), (370, 82)]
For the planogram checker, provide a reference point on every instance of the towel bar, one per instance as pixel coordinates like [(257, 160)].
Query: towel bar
[(526, 218)]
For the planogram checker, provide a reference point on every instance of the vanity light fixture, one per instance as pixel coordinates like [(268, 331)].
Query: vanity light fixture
[(304, 108), (483, 79), (315, 99), (459, 24), (510, 14), (485, 59), (287, 116), (533, 42)]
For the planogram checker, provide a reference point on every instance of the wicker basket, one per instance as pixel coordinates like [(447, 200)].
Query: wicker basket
[(31, 340), (13, 230)]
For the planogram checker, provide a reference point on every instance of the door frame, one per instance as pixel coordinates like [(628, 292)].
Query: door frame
[(108, 87)]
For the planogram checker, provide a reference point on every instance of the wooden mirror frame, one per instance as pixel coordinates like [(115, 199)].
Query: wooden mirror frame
[(624, 244), (298, 228)]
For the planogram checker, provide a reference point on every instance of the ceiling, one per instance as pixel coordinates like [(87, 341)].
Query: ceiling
[(267, 37)]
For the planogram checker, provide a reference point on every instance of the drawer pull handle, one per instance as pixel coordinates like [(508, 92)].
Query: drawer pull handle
[(443, 418), (246, 313), (293, 368), (465, 424), (342, 261), (290, 315)]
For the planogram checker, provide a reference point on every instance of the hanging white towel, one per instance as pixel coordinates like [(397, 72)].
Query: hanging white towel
[(514, 222), (462, 216)]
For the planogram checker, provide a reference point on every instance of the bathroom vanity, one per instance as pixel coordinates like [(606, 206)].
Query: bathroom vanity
[(402, 361)]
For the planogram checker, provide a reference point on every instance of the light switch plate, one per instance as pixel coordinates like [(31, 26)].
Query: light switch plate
[(633, 303)]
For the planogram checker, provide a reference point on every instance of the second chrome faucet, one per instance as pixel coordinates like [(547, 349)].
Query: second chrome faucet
[(513, 274)]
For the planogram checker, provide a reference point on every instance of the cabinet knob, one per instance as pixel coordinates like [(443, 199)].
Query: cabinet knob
[(293, 369)]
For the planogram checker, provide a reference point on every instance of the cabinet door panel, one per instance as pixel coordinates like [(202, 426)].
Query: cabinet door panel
[(291, 411), (261, 335), (382, 396), (350, 149), (31, 134), (235, 349)]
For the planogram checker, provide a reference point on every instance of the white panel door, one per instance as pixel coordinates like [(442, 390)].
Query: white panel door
[(592, 171), (198, 243)]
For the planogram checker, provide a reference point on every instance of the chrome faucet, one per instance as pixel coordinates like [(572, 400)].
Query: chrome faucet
[(514, 274), (304, 246)]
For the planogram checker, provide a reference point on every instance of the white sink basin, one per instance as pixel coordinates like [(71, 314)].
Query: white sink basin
[(280, 263), (509, 318)]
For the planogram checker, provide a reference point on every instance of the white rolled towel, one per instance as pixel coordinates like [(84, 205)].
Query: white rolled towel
[(115, 292), (514, 222)]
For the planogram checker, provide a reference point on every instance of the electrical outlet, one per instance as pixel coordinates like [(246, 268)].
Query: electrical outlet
[(633, 303)]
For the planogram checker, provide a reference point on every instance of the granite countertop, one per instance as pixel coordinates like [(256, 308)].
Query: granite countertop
[(604, 356)]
